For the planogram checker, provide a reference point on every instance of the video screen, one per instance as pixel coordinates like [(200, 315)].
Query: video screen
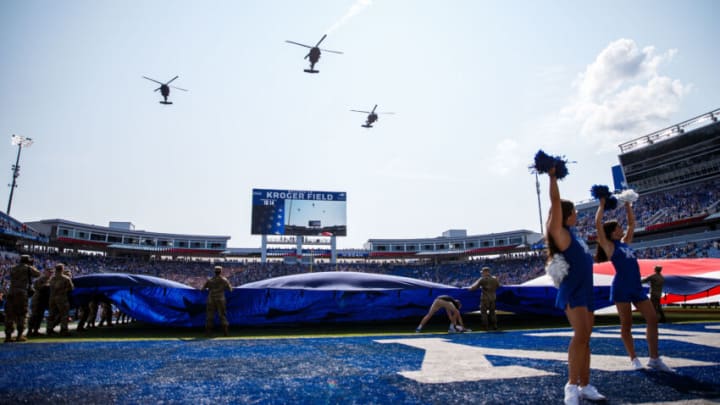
[(298, 212)]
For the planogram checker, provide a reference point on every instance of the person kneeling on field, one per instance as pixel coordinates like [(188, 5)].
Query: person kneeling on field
[(452, 308)]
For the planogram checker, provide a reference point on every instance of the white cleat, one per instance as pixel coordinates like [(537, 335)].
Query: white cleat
[(659, 365), (636, 365), (591, 393)]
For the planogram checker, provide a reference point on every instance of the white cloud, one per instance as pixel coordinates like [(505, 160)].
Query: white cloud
[(622, 95), (506, 157)]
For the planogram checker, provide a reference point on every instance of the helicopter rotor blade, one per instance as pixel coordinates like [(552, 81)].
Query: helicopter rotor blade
[(152, 80), (364, 112), (307, 56), (321, 39), (298, 43), (171, 80), (158, 88), (327, 50), (179, 88), (373, 110)]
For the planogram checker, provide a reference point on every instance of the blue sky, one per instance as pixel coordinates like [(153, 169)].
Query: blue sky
[(477, 87)]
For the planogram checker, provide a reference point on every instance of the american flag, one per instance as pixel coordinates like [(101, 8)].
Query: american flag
[(269, 219)]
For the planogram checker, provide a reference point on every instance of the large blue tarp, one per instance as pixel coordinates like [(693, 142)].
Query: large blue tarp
[(303, 298)]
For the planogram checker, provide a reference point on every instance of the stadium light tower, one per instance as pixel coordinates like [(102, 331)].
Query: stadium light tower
[(20, 141), (537, 188)]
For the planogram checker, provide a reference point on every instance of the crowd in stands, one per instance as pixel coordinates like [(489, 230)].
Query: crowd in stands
[(660, 207), (10, 225), (709, 249), (510, 269)]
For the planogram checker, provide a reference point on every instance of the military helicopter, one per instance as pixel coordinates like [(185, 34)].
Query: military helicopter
[(372, 116), (314, 54), (165, 88)]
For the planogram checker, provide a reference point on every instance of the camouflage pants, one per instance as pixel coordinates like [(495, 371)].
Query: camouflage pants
[(37, 311), (215, 305), (16, 308), (485, 307), (658, 308), (59, 313)]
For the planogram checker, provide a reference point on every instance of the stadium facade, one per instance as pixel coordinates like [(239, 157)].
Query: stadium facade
[(121, 238)]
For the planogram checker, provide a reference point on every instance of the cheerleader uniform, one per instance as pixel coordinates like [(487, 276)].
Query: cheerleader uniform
[(626, 285), (576, 289)]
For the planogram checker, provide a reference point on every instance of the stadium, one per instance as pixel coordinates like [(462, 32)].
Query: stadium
[(298, 283)]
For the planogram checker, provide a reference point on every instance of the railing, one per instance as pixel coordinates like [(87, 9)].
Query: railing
[(673, 130)]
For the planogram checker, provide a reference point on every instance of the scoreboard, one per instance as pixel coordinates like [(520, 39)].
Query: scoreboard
[(298, 212)]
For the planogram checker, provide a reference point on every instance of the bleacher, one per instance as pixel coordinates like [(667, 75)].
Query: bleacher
[(659, 210), (510, 270)]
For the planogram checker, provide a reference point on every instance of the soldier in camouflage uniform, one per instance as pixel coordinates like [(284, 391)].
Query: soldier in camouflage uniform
[(40, 302), (489, 285), (216, 286), (60, 287), (16, 306), (656, 289)]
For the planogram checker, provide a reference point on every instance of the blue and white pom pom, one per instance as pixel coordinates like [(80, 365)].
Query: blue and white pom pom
[(557, 269), (544, 162), (628, 195), (599, 191)]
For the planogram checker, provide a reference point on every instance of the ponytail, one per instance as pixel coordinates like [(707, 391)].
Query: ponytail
[(608, 228)]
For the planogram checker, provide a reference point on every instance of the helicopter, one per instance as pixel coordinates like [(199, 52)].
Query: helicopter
[(314, 54), (165, 88), (372, 116)]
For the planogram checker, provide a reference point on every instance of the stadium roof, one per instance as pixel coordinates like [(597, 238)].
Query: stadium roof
[(671, 131)]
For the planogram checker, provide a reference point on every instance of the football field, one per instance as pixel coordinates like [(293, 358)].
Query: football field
[(519, 366)]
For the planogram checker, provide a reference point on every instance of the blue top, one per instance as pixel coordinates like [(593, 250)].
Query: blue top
[(576, 289), (626, 285)]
